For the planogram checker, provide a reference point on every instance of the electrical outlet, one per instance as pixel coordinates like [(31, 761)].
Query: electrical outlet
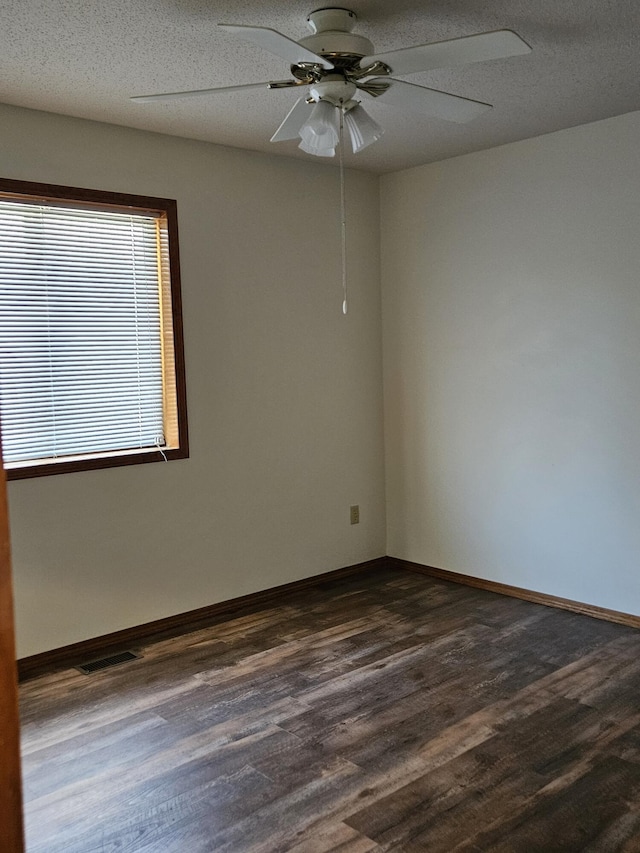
[(354, 514)]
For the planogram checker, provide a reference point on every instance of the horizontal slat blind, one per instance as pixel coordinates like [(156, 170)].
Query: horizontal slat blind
[(80, 331)]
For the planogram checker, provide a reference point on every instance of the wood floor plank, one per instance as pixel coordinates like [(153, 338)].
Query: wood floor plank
[(577, 817), (337, 839), (484, 783), (393, 712)]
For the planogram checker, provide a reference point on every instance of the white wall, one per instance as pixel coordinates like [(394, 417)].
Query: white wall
[(511, 305), (284, 392)]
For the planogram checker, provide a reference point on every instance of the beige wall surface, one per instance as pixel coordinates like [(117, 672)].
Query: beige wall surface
[(284, 392), (511, 317)]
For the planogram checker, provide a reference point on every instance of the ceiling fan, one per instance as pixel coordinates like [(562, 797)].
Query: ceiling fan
[(337, 66)]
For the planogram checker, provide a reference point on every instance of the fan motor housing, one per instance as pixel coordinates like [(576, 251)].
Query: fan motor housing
[(332, 34), (333, 42)]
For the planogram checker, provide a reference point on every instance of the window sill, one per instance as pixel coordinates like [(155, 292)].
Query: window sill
[(71, 464)]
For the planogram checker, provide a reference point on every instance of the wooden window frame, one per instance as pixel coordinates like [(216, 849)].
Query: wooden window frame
[(102, 200)]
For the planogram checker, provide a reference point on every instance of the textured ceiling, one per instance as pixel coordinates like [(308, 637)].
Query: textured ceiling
[(85, 58)]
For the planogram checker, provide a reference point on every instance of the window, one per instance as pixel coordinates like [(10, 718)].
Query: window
[(91, 353)]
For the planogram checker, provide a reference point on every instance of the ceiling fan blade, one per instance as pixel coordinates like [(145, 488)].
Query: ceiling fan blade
[(430, 101), (293, 121), (196, 93), (277, 43), (478, 48)]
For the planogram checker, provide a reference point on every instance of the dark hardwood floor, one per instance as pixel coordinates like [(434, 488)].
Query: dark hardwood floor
[(383, 712)]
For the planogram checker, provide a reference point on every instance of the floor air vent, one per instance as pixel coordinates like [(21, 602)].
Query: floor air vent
[(103, 663)]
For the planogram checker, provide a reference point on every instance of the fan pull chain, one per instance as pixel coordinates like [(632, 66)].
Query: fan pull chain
[(343, 215)]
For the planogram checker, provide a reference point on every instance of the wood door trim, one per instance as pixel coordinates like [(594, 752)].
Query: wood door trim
[(11, 823)]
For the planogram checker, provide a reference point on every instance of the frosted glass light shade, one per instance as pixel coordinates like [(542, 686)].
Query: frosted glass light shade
[(321, 132), (363, 130)]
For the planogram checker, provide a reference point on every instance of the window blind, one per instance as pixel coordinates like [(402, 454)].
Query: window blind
[(80, 331)]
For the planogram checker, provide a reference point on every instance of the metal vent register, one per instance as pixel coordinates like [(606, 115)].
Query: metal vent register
[(103, 663)]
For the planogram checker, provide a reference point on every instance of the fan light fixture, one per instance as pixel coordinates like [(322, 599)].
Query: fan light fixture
[(336, 64), (363, 130), (320, 134)]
